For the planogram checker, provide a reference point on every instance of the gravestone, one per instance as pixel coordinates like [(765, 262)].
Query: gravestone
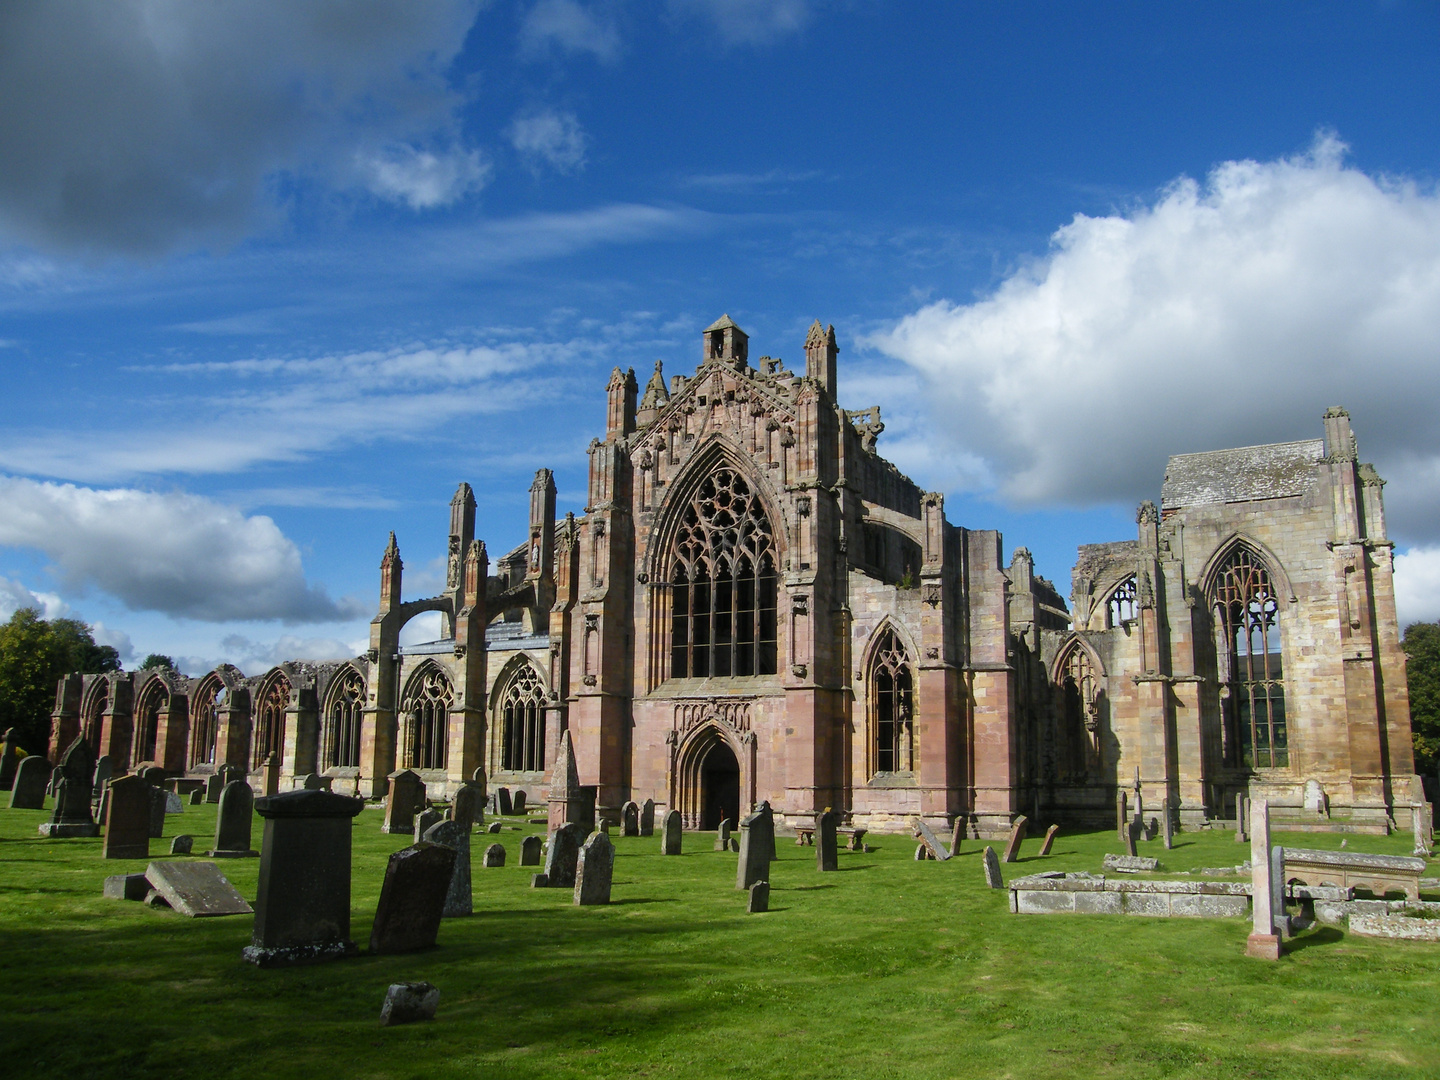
[(503, 803), (922, 832), (1242, 818), (1130, 839), (196, 889), (1122, 816), (409, 1003), (153, 775), (9, 760), (992, 868), (647, 818), (270, 775), (32, 776), (594, 869), (957, 834), (494, 828), (1167, 826), (412, 898), (530, 851), (183, 844), (1277, 892), (922, 853), (1130, 864), (758, 900), (72, 815), (722, 836), (1315, 799), (517, 804), (126, 887), (561, 858), (213, 785), (452, 834), (407, 793), (157, 810), (630, 819), (1017, 834), (1050, 834), (770, 826), (567, 800), (233, 822), (756, 843), (104, 771), (465, 808), (314, 782), (827, 855), (1263, 942), (670, 840), (424, 820), (1420, 828), (494, 856), (302, 902), (127, 820), (197, 797), (173, 803)]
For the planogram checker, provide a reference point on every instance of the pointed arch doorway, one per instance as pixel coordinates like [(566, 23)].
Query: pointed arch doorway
[(719, 786), (712, 776)]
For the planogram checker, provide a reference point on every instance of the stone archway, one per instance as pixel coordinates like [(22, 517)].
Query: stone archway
[(713, 776), (719, 786)]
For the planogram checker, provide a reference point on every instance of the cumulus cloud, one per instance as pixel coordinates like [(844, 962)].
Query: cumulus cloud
[(548, 137), (748, 22), (119, 640), (254, 657), (175, 553), (1225, 313), (141, 125), (568, 27), (1417, 585), (14, 596)]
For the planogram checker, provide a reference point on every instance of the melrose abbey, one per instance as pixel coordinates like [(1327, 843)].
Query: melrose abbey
[(757, 606)]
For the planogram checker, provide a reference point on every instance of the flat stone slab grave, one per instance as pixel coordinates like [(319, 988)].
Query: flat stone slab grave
[(1354, 869), (196, 889), (1091, 894), (932, 843)]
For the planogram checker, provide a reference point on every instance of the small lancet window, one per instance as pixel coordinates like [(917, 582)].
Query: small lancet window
[(1122, 606), (892, 707), (1247, 616)]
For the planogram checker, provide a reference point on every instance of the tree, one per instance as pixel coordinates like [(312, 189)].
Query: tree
[(1422, 673), (159, 660), (33, 655)]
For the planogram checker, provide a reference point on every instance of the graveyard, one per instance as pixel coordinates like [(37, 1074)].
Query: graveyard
[(885, 967)]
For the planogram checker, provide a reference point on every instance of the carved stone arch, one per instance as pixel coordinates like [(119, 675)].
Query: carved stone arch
[(1062, 658), (692, 782), (425, 705), (1078, 676), (271, 706), (1226, 548), (1100, 610), (891, 623), (518, 706), (342, 714), (94, 703), (153, 696), (891, 669)]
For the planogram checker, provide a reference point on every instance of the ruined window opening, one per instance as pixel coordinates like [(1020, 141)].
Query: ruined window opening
[(892, 706), (722, 584), (427, 710), (205, 723), (270, 723), (147, 728), (1078, 687), (95, 715), (1123, 606), (1253, 692), (522, 722), (342, 723)]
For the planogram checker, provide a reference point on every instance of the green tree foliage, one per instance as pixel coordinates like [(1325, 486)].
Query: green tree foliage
[(34, 654), (159, 660), (1422, 673)]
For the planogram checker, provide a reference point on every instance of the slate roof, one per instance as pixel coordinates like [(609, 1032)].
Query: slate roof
[(1246, 474)]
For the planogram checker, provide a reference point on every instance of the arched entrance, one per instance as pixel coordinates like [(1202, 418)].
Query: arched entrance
[(719, 786)]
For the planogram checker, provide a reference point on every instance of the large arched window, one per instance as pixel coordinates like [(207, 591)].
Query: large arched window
[(205, 721), (1122, 606), (94, 718), (892, 707), (722, 583), (522, 722), (340, 748), (270, 722), (147, 718), (427, 719), (1247, 618), (1078, 690)]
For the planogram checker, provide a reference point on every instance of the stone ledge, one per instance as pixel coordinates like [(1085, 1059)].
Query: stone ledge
[(1092, 894)]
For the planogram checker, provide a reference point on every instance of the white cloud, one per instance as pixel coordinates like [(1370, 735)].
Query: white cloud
[(748, 22), (549, 137), (424, 627), (142, 125), (14, 596), (422, 179), (1417, 585), (174, 553), (1225, 314), (255, 657), (569, 28), (117, 639)]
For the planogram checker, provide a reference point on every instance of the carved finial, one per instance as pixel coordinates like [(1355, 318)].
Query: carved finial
[(656, 396), (392, 550), (1146, 513)]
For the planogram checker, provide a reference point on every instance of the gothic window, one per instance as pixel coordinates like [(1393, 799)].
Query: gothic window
[(270, 723), (427, 719), (892, 707), (343, 713), (95, 714), (147, 727), (722, 583), (522, 722), (1078, 688), (205, 722), (1247, 615), (1122, 607)]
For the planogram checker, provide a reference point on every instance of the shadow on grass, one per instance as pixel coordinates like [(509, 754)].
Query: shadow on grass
[(1325, 935)]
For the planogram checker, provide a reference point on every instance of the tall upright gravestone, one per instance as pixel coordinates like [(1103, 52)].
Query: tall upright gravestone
[(630, 819), (530, 851), (452, 834), (827, 856), (127, 820), (32, 776), (1017, 834), (594, 870), (9, 760), (302, 903), (465, 809), (412, 898), (1263, 942), (503, 806), (757, 842), (561, 858), (671, 838), (73, 816), (647, 818), (567, 799), (407, 793), (517, 803), (233, 822)]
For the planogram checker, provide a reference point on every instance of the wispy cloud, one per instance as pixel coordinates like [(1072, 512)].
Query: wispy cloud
[(748, 182), (568, 28), (549, 137)]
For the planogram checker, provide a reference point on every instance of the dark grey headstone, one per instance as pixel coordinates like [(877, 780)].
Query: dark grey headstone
[(465, 808), (173, 803), (424, 820), (157, 811), (630, 819), (233, 822), (183, 844), (196, 889), (594, 870), (926, 836), (756, 842), (1167, 825), (72, 815), (827, 855), (769, 816), (313, 782), (1122, 815), (670, 840), (562, 856), (504, 807), (302, 902), (104, 772), (518, 803), (494, 828), (1050, 835), (417, 880), (647, 818), (1017, 834), (32, 776), (407, 793), (455, 835), (1130, 839), (126, 887), (992, 869), (197, 797), (530, 849), (722, 836), (759, 898), (214, 784), (409, 1003), (9, 759), (127, 819), (494, 856)]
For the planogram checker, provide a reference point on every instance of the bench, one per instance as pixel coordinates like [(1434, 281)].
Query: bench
[(806, 835), (1352, 869)]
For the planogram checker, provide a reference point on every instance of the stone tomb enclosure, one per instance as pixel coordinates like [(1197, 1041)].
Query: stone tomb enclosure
[(1057, 893)]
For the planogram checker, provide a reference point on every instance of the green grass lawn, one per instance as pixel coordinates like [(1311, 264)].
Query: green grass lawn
[(888, 968)]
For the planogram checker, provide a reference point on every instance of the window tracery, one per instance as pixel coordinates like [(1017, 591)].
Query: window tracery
[(205, 722), (427, 711), (892, 707), (1247, 614), (1123, 605), (1079, 688), (270, 723), (341, 749), (522, 722)]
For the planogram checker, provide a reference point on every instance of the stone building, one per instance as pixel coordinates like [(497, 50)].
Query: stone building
[(755, 605)]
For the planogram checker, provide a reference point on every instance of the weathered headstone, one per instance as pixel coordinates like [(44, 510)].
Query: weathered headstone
[(302, 902), (517, 802), (127, 820), (1242, 818), (594, 870), (1277, 892), (922, 853), (1315, 799), (233, 822), (196, 889), (412, 898), (197, 797), (32, 776), (173, 803), (270, 775), (923, 833), (759, 899), (407, 792), (409, 1003), (157, 811), (561, 857), (494, 828), (530, 851), (494, 856), (1263, 942), (424, 820), (314, 782), (154, 775), (465, 809), (214, 783), (1130, 864), (722, 836), (1122, 816), (647, 818), (503, 803), (1420, 827), (1130, 830), (827, 855), (630, 819), (1167, 826), (567, 800), (72, 815), (183, 844), (104, 772), (756, 843), (1017, 834), (9, 759), (452, 834), (670, 838), (957, 834), (992, 868), (1050, 834)]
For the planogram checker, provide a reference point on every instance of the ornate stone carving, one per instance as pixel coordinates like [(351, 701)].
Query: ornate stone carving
[(731, 713)]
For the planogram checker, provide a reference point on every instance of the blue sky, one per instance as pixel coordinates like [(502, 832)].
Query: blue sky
[(275, 277)]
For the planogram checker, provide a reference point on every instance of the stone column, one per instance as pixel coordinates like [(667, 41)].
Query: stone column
[(1264, 942)]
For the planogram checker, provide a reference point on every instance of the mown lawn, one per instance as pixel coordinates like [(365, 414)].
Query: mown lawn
[(888, 968)]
